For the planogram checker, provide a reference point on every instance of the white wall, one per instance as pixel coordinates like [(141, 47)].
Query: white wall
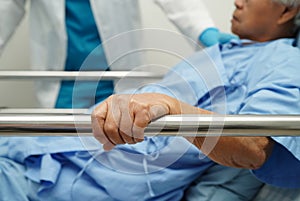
[(220, 11), (16, 57)]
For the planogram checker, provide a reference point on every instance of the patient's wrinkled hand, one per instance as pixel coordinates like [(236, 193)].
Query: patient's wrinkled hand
[(121, 119)]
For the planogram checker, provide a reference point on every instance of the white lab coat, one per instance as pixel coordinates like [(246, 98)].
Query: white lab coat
[(190, 16), (48, 39)]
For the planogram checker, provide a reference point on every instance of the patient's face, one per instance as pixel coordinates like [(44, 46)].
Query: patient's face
[(255, 19)]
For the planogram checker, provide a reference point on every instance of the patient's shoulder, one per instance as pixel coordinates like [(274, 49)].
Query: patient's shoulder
[(283, 47), (277, 61), (281, 53)]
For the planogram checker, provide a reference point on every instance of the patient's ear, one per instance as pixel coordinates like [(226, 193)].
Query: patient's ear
[(288, 14)]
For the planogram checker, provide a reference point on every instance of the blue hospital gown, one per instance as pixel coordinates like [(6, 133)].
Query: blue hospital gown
[(256, 79)]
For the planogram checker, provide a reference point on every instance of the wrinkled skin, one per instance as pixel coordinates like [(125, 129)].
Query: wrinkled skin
[(122, 119)]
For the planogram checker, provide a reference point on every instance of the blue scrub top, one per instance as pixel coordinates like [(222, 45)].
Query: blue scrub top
[(84, 53)]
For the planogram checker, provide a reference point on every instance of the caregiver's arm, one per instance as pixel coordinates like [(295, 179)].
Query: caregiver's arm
[(122, 119), (192, 18)]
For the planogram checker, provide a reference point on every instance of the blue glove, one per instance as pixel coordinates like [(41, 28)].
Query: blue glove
[(212, 36)]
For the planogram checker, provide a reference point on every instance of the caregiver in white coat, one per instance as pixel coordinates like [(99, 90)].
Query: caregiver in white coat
[(48, 34)]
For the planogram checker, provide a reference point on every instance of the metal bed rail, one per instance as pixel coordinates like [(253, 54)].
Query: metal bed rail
[(41, 111), (78, 75), (76, 124)]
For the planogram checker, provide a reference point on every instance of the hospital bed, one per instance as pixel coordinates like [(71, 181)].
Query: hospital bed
[(69, 122), (76, 122)]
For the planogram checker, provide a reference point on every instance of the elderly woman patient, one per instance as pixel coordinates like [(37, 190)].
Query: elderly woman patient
[(256, 74)]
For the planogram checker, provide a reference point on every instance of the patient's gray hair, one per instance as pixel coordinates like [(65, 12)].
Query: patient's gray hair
[(293, 3)]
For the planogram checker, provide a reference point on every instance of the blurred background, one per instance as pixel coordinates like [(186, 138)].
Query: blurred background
[(19, 94)]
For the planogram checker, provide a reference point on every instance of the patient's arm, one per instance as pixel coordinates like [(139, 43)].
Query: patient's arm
[(122, 119)]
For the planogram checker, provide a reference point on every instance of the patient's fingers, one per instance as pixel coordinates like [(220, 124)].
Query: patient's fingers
[(108, 146), (98, 120), (143, 116), (123, 118), (126, 117), (98, 131), (126, 122), (141, 120), (112, 121)]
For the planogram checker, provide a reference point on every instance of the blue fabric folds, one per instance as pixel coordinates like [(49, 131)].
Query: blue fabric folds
[(159, 168), (152, 170)]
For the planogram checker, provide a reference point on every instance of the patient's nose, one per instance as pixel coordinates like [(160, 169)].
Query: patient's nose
[(238, 3)]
